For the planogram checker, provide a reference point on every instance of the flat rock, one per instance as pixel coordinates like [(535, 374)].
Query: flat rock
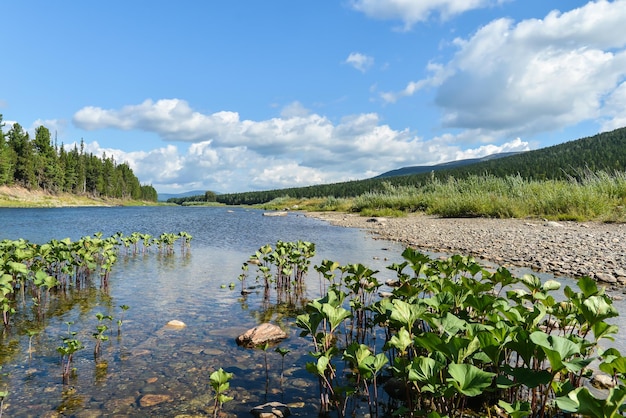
[(606, 278), (275, 214), (271, 410), (175, 323), (152, 399), (264, 333), (602, 381)]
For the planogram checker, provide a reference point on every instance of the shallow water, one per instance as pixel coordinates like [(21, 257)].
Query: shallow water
[(150, 358)]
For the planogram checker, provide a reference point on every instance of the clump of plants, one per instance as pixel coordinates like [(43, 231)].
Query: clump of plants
[(32, 274), (282, 267), (453, 338)]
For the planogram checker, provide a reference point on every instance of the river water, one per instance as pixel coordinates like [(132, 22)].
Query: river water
[(149, 358)]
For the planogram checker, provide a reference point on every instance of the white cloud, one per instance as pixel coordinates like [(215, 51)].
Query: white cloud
[(539, 74), (615, 106), (297, 149), (360, 61), (414, 11)]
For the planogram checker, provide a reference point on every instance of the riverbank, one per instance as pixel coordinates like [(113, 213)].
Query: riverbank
[(18, 197), (572, 249)]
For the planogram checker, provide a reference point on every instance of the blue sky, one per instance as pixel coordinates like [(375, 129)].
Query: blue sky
[(252, 95)]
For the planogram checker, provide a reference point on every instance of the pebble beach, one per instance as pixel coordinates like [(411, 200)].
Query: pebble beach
[(572, 249)]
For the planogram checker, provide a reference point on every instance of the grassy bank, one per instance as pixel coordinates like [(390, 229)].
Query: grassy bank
[(591, 196)]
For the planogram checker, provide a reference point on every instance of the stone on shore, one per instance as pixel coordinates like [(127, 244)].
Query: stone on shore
[(602, 381), (606, 278), (282, 213), (565, 248), (264, 333)]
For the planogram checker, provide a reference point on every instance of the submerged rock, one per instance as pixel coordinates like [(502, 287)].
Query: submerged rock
[(153, 399), (264, 333), (271, 410)]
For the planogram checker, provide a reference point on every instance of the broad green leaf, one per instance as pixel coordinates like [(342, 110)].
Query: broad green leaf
[(587, 286), (550, 285), (581, 401), (401, 341), (405, 313), (424, 370), (528, 377), (517, 409), (470, 380), (557, 349)]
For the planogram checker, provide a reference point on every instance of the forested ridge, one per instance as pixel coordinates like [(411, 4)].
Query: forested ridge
[(603, 152), (38, 163)]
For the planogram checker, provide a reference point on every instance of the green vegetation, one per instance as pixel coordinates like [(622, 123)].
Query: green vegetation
[(282, 268), (38, 164), (590, 196), (33, 276), (578, 180), (220, 382), (453, 339)]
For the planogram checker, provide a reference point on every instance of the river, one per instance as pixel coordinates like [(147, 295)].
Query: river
[(172, 365)]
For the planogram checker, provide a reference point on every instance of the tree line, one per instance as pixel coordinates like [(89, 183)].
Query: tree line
[(39, 164), (570, 160)]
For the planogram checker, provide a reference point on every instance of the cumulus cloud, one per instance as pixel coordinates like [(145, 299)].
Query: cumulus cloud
[(538, 74), (411, 12), (360, 61), (299, 148), (615, 109)]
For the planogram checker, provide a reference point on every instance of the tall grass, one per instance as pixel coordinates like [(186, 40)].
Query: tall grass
[(588, 195)]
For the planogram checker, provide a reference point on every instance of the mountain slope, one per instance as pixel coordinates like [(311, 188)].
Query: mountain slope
[(443, 166), (605, 151)]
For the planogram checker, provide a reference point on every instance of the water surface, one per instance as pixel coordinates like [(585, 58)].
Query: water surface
[(150, 358)]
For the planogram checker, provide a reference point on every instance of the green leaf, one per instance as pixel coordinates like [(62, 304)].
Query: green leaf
[(425, 370), (401, 340), (551, 285), (557, 349), (516, 410), (581, 401), (469, 379), (405, 313)]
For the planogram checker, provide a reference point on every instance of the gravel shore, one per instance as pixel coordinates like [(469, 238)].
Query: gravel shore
[(572, 249)]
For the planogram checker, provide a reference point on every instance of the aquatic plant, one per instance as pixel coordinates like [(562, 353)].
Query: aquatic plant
[(459, 337), (283, 352), (220, 382), (120, 321), (43, 271), (282, 267), (31, 333), (70, 346), (3, 395), (100, 335)]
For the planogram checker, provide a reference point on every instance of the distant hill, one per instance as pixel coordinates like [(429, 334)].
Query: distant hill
[(419, 169), (164, 196), (602, 152)]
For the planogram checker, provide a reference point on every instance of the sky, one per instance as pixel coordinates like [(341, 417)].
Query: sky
[(242, 95)]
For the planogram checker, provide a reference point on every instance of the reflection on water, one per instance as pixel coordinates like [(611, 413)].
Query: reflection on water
[(147, 357)]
